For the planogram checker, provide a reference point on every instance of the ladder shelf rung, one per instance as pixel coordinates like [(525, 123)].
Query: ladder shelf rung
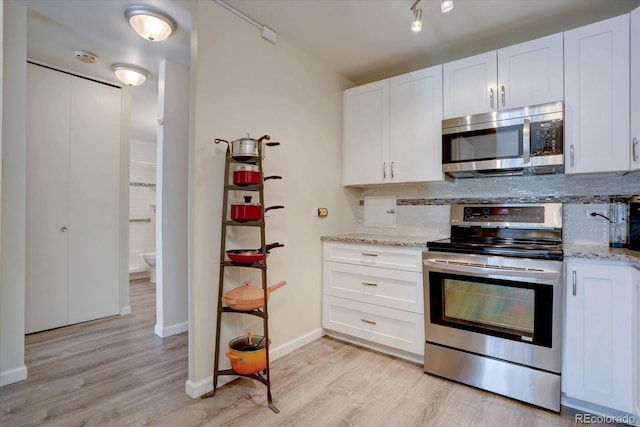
[(238, 264), (256, 313)]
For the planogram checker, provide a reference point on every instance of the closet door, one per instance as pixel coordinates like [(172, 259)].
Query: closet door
[(48, 113), (94, 172)]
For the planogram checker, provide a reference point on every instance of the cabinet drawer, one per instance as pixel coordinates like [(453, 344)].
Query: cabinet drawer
[(394, 328), (374, 256), (401, 290)]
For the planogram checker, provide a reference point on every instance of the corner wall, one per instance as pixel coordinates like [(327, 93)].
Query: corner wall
[(241, 83), (13, 193)]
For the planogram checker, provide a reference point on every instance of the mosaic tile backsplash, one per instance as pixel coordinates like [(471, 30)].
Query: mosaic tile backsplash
[(424, 208)]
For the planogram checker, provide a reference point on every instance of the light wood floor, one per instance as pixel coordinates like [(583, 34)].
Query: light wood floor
[(116, 372)]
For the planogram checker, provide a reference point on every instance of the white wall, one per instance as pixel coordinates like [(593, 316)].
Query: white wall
[(173, 144), (12, 230), (241, 83)]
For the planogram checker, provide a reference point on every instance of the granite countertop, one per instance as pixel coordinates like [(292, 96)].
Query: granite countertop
[(382, 239), (601, 252), (576, 251)]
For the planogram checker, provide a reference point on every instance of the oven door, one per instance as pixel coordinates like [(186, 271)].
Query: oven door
[(501, 307)]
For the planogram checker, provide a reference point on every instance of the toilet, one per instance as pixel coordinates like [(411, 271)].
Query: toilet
[(150, 259)]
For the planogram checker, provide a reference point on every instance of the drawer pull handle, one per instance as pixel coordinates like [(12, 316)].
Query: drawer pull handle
[(369, 284), (368, 321), (368, 254)]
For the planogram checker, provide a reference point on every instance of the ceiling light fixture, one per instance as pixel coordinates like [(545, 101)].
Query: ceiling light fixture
[(416, 24), (130, 74), (446, 6), (150, 23)]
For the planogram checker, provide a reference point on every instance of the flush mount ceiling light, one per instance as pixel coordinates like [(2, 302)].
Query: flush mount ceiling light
[(130, 74), (446, 5), (416, 24), (150, 23)]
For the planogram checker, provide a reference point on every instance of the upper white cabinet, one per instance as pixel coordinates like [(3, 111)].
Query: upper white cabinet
[(73, 181), (521, 75), (596, 70), (635, 90), (601, 323), (392, 129)]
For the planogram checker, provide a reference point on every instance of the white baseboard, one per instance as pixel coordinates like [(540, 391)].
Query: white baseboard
[(14, 375), (195, 389), (125, 310), (294, 344), (166, 331)]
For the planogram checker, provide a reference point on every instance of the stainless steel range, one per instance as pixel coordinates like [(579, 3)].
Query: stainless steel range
[(493, 301)]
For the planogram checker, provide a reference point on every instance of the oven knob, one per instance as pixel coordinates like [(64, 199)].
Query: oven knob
[(485, 217)]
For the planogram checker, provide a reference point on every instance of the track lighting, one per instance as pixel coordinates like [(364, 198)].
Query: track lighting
[(130, 74), (416, 24), (446, 5), (150, 23)]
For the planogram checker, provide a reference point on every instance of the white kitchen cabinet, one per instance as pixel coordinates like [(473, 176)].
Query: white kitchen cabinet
[(596, 70), (372, 295), (521, 75), (635, 90), (73, 179), (392, 129), (599, 359)]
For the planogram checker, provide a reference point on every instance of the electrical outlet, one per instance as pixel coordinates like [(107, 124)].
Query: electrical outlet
[(323, 212)]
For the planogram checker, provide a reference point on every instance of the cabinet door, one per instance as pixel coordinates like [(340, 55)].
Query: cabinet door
[(416, 126), (599, 330), (469, 85), (48, 105), (597, 97), (530, 73), (366, 134), (635, 89), (94, 177)]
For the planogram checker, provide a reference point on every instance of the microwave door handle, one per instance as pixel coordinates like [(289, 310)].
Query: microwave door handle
[(526, 141)]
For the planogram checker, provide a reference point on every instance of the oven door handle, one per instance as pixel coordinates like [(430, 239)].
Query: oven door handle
[(484, 270)]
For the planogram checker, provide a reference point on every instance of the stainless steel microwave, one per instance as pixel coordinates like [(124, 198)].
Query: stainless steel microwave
[(508, 142)]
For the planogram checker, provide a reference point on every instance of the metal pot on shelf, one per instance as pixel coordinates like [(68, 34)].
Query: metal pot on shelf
[(248, 297), (248, 355), (247, 149), (248, 211), (246, 174)]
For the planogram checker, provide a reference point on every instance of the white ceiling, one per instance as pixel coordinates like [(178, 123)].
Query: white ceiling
[(364, 40)]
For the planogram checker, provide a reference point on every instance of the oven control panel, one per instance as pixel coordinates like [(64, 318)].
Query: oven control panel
[(529, 214)]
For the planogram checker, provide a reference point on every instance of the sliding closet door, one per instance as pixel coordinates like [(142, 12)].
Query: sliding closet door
[(48, 114), (93, 290)]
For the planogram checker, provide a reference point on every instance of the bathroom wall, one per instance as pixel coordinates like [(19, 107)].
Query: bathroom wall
[(142, 204), (423, 209)]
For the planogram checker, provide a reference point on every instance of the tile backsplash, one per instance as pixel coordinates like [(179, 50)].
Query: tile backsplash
[(424, 208)]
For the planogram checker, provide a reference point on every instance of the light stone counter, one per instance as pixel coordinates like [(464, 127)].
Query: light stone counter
[(382, 239), (601, 252)]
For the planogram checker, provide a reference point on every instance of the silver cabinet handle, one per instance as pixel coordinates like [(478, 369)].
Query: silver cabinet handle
[(63, 229), (384, 170), (392, 169), (571, 156), (368, 321), (491, 98), (369, 284), (391, 211), (575, 283), (368, 254), (526, 140), (634, 149), (502, 94)]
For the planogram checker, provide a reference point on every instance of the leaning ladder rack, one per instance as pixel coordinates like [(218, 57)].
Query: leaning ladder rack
[(265, 376)]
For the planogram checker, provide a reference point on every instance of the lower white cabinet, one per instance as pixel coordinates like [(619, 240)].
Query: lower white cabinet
[(373, 294), (600, 356)]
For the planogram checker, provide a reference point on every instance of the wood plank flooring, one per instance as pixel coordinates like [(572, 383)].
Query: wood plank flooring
[(116, 372)]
